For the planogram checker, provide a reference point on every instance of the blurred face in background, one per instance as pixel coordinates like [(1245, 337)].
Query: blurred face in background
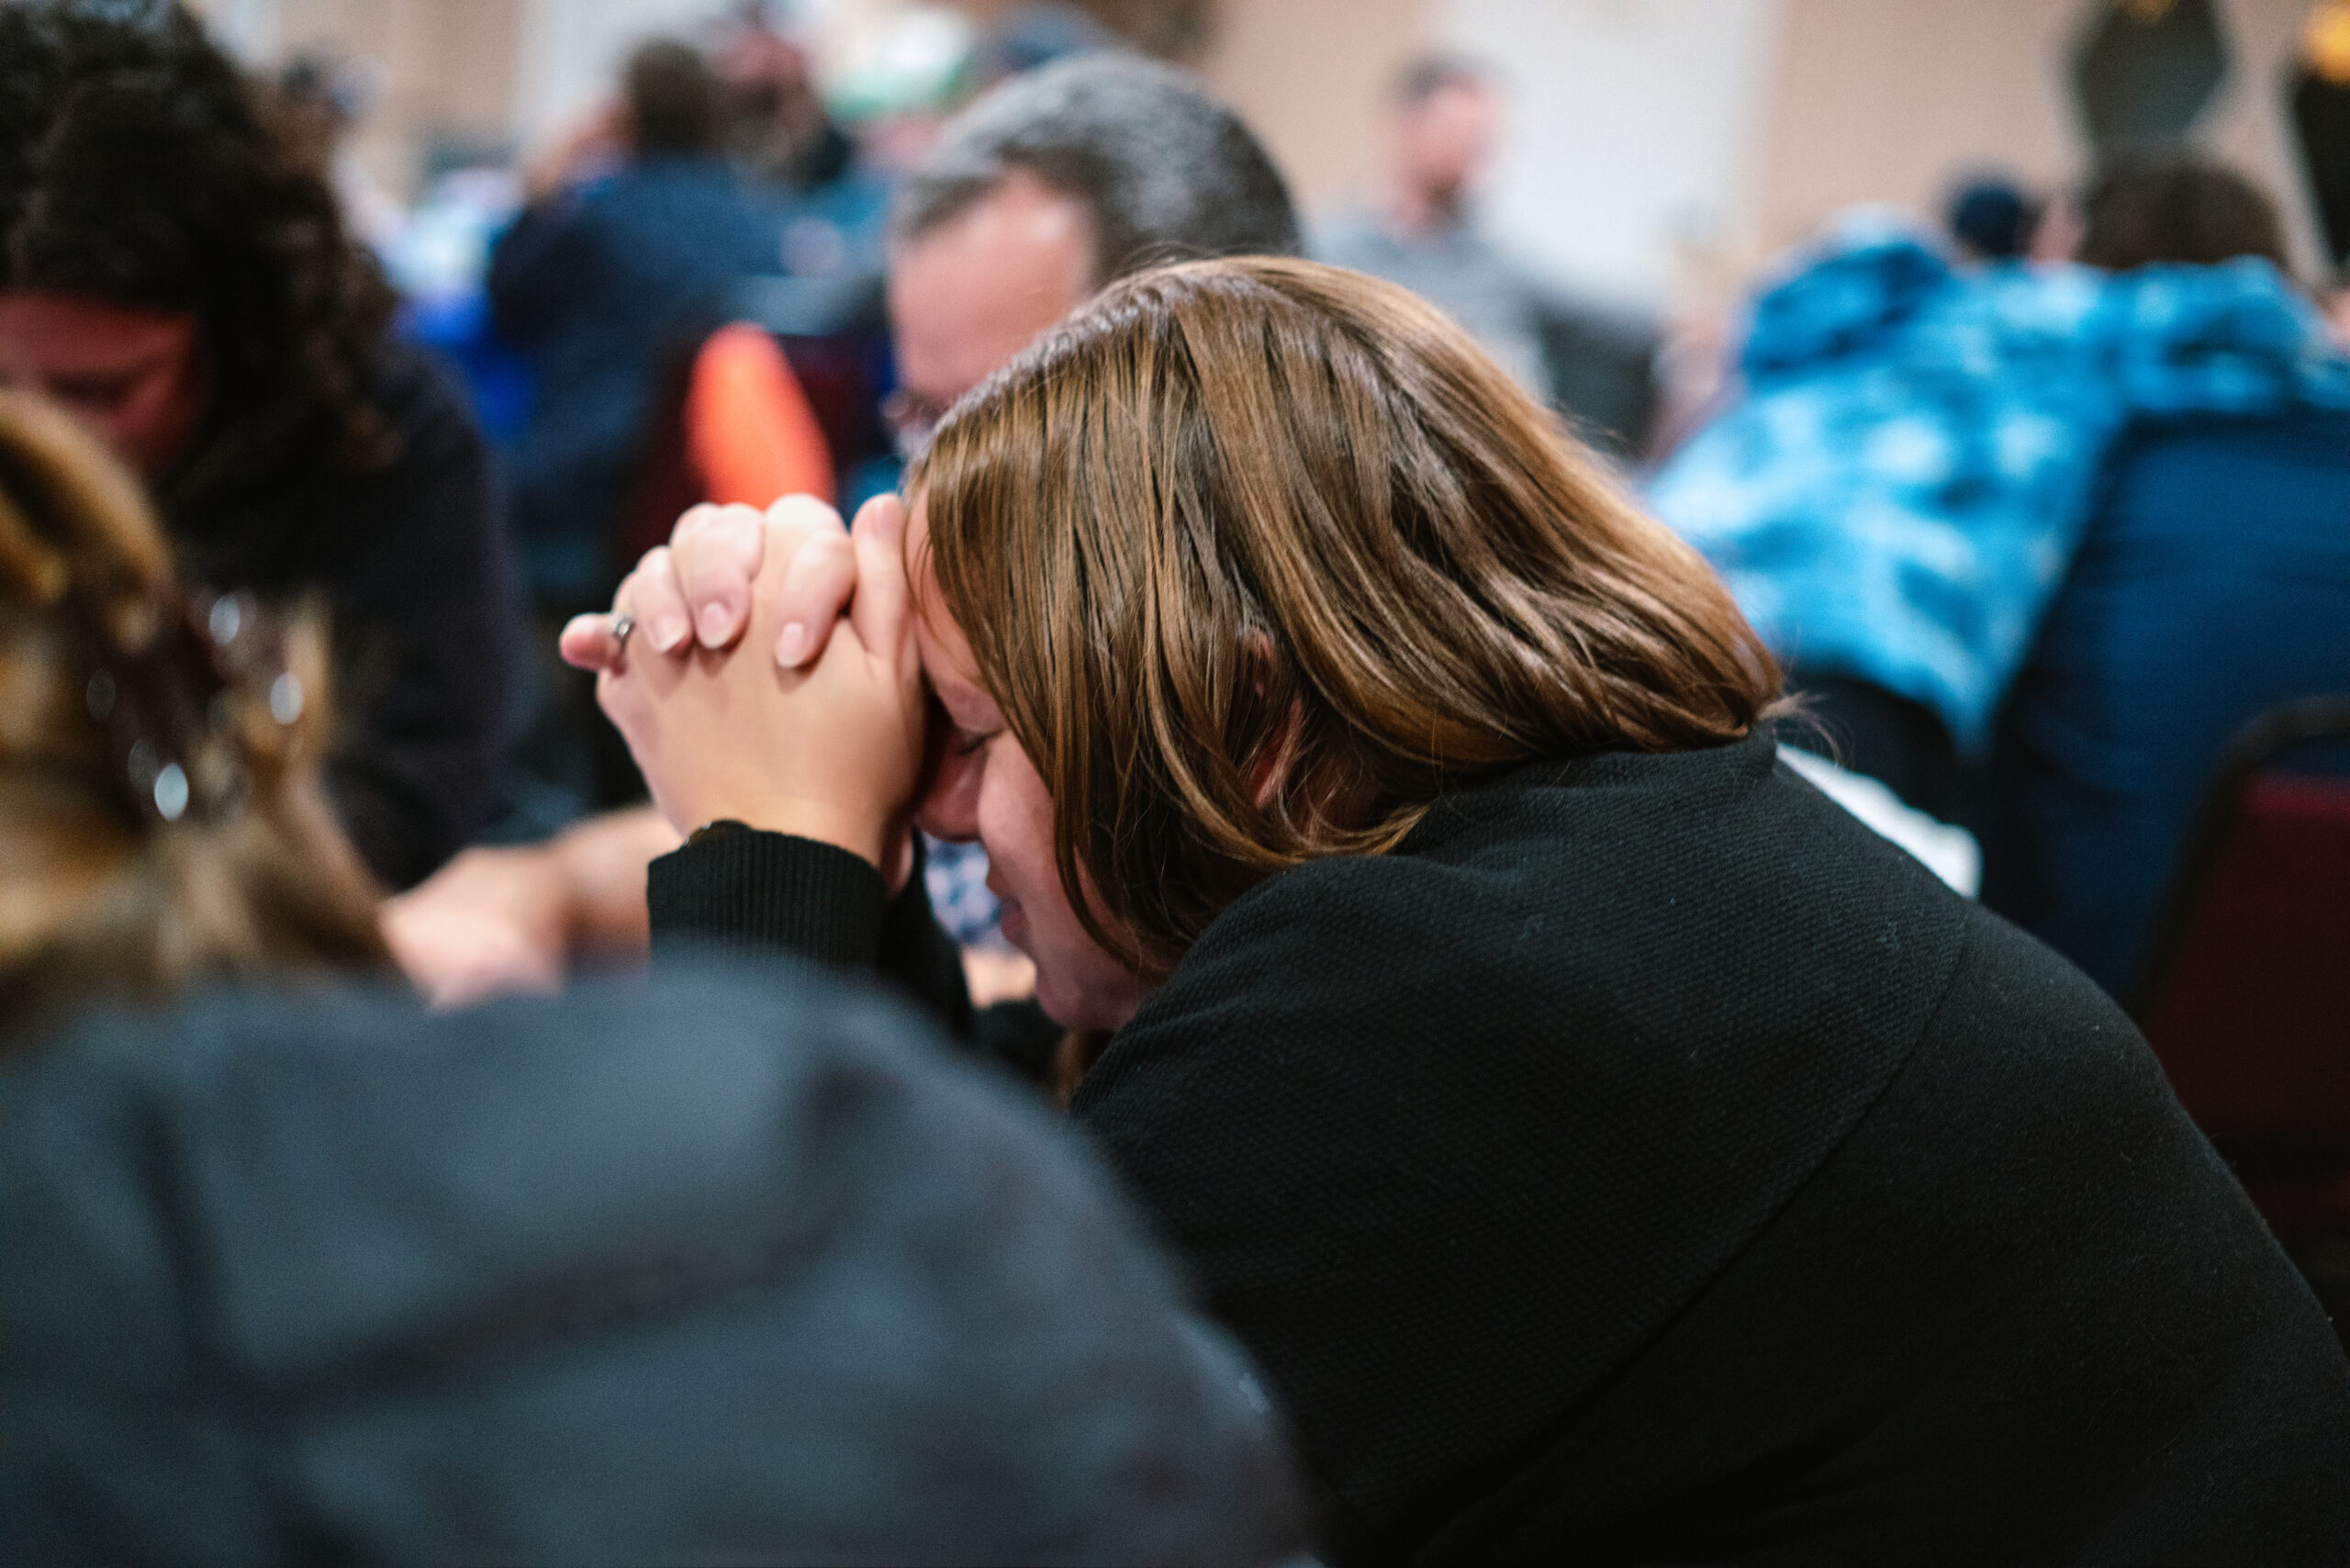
[(135, 378), (973, 292), (1443, 143)]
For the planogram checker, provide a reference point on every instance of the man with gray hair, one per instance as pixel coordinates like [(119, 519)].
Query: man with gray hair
[(1052, 185), (1165, 172)]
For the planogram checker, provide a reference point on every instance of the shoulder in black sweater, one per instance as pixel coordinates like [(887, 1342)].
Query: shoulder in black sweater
[(1647, 1163)]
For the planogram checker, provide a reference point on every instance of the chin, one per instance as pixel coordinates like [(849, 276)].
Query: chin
[(1062, 1008), (1070, 1006)]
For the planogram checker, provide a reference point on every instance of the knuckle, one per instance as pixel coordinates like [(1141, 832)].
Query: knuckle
[(804, 510), (832, 556)]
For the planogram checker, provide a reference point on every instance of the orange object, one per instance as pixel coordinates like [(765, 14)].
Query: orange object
[(2326, 41), (751, 435)]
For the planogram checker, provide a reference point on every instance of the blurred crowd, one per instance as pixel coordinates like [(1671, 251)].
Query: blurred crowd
[(331, 531)]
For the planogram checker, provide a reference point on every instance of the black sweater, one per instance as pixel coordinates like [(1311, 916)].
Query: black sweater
[(1646, 1162), (417, 574)]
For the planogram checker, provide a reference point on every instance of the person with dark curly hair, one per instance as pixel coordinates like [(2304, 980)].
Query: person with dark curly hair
[(174, 269)]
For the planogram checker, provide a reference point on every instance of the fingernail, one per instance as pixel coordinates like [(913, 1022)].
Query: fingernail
[(717, 625), (667, 631), (791, 644)]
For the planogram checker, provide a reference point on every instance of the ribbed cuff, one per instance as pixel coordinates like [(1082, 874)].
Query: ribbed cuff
[(769, 891)]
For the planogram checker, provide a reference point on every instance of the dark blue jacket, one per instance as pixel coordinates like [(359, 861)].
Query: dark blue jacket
[(702, 1271), (2213, 584), (592, 285)]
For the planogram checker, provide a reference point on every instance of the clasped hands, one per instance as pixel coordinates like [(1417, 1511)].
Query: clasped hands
[(771, 676)]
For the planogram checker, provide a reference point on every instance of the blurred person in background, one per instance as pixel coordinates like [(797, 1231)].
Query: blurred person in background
[(176, 273), (777, 126), (1038, 195), (1595, 365), (322, 100), (161, 814), (1023, 35), (2171, 204), (782, 135), (630, 219), (1897, 494), (2212, 586), (1991, 219), (1443, 114)]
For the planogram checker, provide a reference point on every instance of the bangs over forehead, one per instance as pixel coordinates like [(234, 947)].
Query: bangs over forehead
[(1259, 557)]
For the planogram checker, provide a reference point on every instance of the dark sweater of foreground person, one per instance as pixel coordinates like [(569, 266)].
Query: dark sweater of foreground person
[(418, 581), (1648, 1163), (708, 1270)]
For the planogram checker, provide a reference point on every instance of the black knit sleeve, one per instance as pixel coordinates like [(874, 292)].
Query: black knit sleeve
[(767, 892), (773, 892)]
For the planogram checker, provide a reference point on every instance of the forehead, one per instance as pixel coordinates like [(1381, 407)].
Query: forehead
[(60, 333), (970, 294), (946, 661)]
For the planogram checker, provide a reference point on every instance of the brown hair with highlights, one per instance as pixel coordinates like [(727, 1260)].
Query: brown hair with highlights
[(122, 883), (1260, 557)]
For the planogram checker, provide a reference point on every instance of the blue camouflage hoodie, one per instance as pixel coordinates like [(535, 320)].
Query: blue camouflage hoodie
[(1898, 493)]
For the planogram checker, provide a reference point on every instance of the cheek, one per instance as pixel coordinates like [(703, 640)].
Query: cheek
[(1015, 822), (128, 428), (150, 426), (949, 809)]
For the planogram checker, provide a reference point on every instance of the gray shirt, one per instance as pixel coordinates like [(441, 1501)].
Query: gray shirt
[(1459, 271)]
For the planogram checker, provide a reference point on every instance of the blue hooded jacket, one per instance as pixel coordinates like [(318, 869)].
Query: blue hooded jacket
[(1899, 492)]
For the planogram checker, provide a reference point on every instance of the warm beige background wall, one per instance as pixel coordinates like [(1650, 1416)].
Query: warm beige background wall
[(1660, 146), (434, 67), (1307, 76), (1887, 100)]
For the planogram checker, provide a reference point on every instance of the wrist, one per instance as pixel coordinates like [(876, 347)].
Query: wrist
[(860, 832), (600, 865)]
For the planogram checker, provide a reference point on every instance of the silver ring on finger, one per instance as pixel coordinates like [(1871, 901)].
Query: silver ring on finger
[(622, 624)]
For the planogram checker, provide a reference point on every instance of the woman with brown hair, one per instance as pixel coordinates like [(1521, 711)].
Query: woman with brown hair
[(1611, 1148), (161, 819)]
